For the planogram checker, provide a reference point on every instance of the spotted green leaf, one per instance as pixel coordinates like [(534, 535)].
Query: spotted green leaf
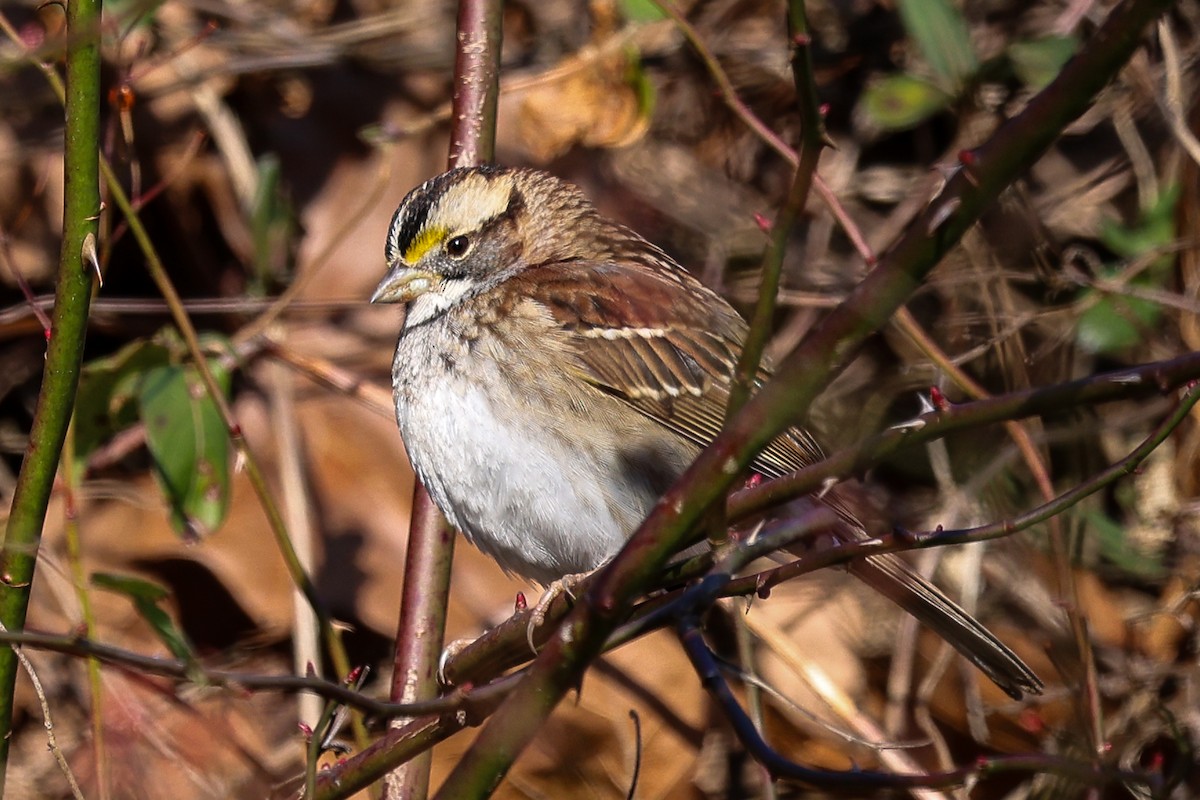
[(188, 444), (102, 406), (902, 101)]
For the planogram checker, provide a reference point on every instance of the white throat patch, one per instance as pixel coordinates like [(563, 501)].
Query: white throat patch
[(429, 305)]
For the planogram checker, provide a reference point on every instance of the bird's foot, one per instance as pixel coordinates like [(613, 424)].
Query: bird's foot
[(564, 585), (448, 652)]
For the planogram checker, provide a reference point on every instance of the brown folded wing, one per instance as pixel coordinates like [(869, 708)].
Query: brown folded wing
[(662, 342)]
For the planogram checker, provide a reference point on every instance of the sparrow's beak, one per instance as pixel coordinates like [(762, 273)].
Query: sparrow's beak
[(403, 283)]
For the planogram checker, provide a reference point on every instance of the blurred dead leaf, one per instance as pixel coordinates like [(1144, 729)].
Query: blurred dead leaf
[(595, 103)]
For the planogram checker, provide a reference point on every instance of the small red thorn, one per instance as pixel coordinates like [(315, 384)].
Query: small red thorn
[(353, 675), (521, 603), (235, 430), (305, 731), (765, 225), (310, 671), (802, 39), (823, 109), (754, 480), (938, 399), (121, 97), (47, 333), (968, 158), (1032, 721)]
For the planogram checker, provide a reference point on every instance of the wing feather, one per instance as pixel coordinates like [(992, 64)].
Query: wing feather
[(662, 342)]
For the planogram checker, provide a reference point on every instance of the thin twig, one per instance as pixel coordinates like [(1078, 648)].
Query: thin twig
[(71, 477), (863, 781), (48, 723), (471, 700)]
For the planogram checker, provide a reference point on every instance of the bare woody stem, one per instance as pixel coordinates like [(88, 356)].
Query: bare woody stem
[(428, 560)]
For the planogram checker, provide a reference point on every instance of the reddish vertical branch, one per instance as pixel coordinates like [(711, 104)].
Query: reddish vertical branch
[(428, 561)]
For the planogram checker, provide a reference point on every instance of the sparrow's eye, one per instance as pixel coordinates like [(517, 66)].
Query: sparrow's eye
[(458, 247)]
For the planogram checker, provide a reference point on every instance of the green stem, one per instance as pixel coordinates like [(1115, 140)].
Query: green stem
[(64, 354), (812, 141)]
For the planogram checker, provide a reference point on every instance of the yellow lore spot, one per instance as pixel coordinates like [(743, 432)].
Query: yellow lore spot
[(423, 242)]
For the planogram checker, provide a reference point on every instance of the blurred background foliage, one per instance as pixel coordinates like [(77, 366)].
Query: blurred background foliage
[(266, 146)]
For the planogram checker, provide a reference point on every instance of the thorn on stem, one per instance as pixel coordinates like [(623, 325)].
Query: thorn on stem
[(943, 213), (87, 252)]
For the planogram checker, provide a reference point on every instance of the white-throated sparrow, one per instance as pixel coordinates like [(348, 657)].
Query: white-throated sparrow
[(556, 373)]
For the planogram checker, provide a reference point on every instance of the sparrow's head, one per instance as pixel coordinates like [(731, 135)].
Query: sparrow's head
[(471, 228)]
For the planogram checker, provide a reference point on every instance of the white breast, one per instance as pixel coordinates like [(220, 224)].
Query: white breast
[(527, 493)]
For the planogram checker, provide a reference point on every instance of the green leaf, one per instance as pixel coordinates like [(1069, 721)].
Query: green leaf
[(270, 223), (146, 597), (188, 442), (1036, 62), (133, 13), (1115, 546), (941, 33), (147, 381), (102, 405), (1115, 323), (902, 101), (1155, 229), (641, 11)]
